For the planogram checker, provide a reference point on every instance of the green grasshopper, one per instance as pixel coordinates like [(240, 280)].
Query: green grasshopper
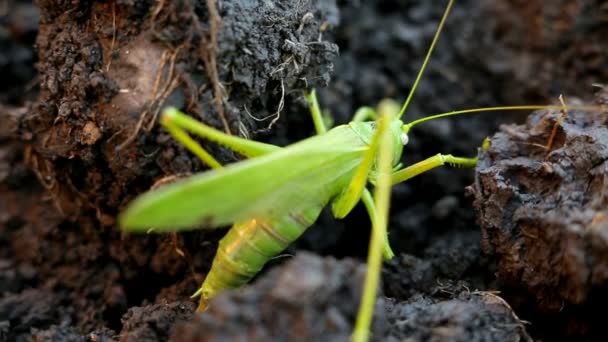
[(275, 195)]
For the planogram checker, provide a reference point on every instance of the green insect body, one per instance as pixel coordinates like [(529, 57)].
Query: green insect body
[(330, 160), (248, 246), (280, 216)]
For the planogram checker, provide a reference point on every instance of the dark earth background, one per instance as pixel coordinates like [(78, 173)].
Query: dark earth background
[(515, 250)]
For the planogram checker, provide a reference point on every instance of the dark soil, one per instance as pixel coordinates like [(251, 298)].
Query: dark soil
[(107, 70), (315, 299), (543, 212), (83, 83)]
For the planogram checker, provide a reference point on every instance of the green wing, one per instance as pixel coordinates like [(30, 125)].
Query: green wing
[(307, 173)]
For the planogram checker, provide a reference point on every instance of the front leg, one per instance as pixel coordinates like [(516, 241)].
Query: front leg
[(350, 196), (436, 161)]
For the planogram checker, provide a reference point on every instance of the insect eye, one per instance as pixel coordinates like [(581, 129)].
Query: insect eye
[(404, 139)]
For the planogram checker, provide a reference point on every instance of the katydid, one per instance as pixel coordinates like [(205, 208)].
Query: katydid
[(275, 195)]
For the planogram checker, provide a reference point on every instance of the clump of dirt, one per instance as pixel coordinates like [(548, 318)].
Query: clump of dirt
[(71, 334), (310, 298), (456, 315), (108, 69), (306, 298), (540, 194), (154, 322)]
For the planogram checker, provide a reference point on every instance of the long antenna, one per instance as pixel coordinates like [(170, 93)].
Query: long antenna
[(408, 126), (426, 59)]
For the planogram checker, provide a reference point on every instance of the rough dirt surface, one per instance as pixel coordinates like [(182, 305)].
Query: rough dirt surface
[(154, 322), (108, 69), (543, 211), (70, 158), (315, 299), (307, 299)]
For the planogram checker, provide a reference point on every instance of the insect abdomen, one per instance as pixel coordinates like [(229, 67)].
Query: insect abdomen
[(248, 246)]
